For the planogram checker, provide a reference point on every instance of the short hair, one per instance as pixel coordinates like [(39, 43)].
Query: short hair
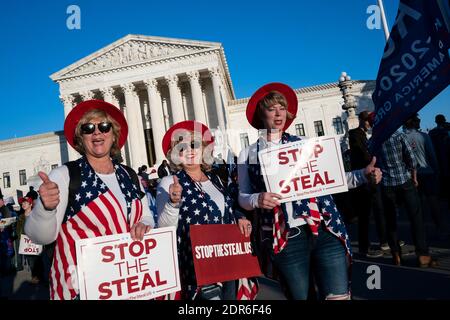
[(178, 166), (364, 115), (412, 122), (440, 119), (88, 116), (270, 99)]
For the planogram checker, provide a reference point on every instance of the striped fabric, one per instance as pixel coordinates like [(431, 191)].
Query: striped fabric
[(95, 212), (280, 232), (247, 289), (313, 218)]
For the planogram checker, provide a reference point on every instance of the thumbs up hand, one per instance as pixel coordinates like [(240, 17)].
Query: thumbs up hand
[(49, 192), (373, 173), (175, 190)]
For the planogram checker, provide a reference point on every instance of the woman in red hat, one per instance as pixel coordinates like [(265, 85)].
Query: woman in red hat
[(107, 200), (301, 233), (195, 195)]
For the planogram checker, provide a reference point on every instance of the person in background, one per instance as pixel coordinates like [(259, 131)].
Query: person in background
[(220, 167), (366, 198), (399, 184), (427, 171), (164, 170), (440, 136), (34, 261), (32, 194), (143, 173), (151, 196), (143, 177), (6, 250)]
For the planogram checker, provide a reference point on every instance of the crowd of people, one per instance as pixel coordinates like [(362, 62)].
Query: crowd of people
[(304, 244), (11, 260), (413, 179)]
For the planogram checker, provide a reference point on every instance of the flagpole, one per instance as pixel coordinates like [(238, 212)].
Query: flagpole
[(383, 19)]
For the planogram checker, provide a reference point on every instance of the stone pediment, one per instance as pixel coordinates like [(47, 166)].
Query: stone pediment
[(132, 50)]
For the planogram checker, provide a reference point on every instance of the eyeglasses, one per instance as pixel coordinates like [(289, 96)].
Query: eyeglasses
[(89, 128), (193, 145)]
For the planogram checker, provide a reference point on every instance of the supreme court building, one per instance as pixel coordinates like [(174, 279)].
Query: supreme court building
[(157, 82)]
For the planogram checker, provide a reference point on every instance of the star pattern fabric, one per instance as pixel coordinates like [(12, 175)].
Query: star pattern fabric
[(196, 207), (92, 186)]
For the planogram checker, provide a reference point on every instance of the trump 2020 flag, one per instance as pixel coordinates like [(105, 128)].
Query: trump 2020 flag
[(415, 66)]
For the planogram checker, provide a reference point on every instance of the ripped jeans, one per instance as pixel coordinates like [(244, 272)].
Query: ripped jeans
[(325, 255)]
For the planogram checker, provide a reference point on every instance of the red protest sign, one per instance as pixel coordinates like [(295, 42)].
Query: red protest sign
[(221, 253)]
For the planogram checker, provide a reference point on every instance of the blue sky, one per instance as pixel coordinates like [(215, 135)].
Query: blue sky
[(298, 42)]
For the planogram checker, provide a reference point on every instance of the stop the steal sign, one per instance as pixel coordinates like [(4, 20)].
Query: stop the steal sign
[(304, 169), (117, 268), (221, 253)]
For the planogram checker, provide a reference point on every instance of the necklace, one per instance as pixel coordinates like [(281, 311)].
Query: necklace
[(198, 183), (107, 171), (199, 180)]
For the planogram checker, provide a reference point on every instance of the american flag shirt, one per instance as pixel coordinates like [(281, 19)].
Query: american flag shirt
[(95, 212), (301, 208), (196, 207)]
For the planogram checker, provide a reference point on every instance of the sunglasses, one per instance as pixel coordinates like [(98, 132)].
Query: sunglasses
[(89, 128), (193, 145)]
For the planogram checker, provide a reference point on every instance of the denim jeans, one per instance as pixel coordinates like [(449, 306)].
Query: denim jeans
[(326, 256)]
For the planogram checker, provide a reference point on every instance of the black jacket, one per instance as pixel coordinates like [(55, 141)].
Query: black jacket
[(359, 152), (162, 172)]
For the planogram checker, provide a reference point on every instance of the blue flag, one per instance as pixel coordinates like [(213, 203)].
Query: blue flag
[(415, 66)]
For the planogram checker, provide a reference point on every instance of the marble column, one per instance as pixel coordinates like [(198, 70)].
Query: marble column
[(215, 76), (197, 100), (175, 98), (165, 112), (156, 117), (136, 138), (87, 95), (110, 97), (67, 101)]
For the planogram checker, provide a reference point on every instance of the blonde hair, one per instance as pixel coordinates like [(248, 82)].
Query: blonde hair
[(272, 98), (176, 165), (101, 114)]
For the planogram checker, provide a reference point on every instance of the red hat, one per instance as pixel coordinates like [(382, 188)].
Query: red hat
[(285, 90), (78, 112), (189, 125), (23, 199)]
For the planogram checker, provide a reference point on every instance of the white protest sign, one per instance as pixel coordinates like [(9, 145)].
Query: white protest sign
[(117, 268), (26, 246), (304, 169)]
